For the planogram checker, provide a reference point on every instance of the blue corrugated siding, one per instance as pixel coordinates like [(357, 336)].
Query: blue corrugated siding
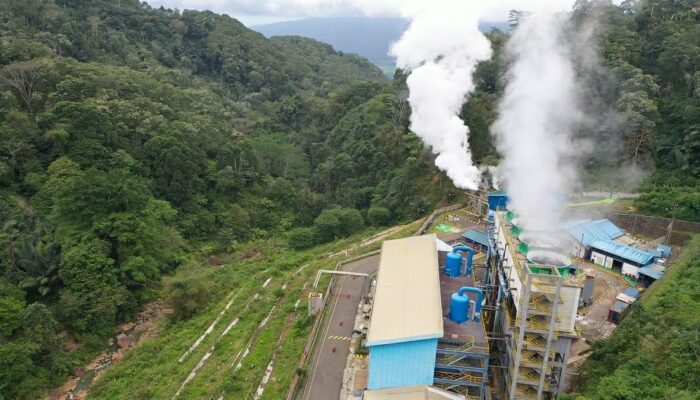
[(402, 364)]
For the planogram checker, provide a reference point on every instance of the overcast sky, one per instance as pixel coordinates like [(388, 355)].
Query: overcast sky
[(253, 12)]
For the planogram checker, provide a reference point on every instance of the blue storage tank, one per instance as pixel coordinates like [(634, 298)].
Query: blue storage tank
[(459, 308), (453, 264)]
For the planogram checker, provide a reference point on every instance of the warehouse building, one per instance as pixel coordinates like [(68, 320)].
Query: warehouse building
[(421, 333), (605, 244), (406, 319)]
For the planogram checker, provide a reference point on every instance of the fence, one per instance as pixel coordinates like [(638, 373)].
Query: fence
[(677, 231)]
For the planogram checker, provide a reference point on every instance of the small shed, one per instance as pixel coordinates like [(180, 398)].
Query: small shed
[(476, 239), (651, 273), (617, 311), (629, 295), (497, 200), (665, 250)]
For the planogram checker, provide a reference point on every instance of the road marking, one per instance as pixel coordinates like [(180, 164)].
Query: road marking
[(339, 338)]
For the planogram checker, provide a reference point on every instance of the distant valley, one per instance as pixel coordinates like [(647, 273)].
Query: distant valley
[(368, 37)]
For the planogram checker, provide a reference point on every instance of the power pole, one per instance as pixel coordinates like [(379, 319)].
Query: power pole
[(669, 231)]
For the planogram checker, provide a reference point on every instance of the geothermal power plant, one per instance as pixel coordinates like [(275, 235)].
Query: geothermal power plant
[(488, 312)]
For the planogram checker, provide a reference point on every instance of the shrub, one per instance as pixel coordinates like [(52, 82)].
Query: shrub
[(302, 238), (327, 226), (379, 216), (186, 294), (337, 222)]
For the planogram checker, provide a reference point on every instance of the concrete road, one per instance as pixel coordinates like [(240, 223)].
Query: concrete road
[(594, 324), (325, 374)]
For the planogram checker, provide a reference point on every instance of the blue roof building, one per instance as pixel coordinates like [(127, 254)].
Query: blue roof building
[(476, 239), (599, 246), (587, 231), (651, 273), (633, 256)]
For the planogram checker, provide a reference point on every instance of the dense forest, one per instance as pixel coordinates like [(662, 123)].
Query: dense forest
[(131, 137)]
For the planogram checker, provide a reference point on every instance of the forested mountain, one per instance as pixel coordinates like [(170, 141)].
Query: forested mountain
[(131, 137)]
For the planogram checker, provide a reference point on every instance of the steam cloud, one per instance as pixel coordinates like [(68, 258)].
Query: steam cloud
[(537, 116), (441, 48)]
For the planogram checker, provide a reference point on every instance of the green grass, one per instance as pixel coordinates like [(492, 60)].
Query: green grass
[(152, 370)]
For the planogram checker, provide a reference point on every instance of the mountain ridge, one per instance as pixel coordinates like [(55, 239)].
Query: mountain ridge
[(365, 36)]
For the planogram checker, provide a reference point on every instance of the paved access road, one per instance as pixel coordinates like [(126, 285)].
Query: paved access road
[(325, 374)]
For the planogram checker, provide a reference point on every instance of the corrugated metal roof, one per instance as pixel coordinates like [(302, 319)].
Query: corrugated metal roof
[(407, 297), (654, 271), (411, 393), (625, 252), (591, 230), (609, 228), (477, 236), (632, 292), (619, 306)]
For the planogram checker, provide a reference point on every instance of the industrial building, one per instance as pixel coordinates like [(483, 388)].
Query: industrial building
[(603, 243), (406, 320), (421, 331), (538, 297)]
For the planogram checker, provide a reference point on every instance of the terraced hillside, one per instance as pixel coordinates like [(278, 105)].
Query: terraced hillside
[(247, 342)]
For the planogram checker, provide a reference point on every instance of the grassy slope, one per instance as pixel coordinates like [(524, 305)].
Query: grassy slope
[(655, 353), (152, 370)]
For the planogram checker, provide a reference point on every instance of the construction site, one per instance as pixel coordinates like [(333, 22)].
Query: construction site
[(483, 310)]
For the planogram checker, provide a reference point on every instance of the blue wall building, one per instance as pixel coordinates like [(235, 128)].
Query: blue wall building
[(406, 319)]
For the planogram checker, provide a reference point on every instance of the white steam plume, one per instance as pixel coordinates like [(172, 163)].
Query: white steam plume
[(537, 116), (441, 48)]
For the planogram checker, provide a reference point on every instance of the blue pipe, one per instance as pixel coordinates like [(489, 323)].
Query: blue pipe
[(470, 256), (479, 300)]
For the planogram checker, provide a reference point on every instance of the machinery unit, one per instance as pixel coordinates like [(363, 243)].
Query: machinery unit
[(453, 263), (459, 305)]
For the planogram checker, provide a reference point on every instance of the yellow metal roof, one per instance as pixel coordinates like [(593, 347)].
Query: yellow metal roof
[(410, 393), (407, 298)]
